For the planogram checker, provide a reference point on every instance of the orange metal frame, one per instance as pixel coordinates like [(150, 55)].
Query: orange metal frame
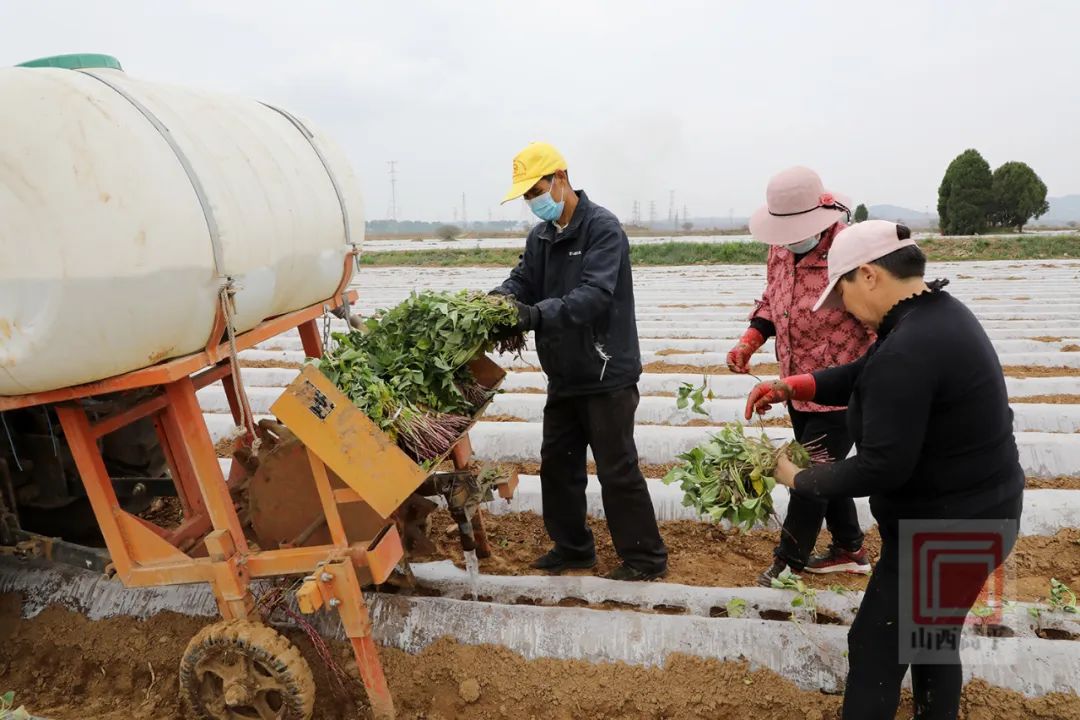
[(145, 554)]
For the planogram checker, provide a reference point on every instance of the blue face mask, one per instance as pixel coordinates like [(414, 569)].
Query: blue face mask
[(545, 207), (804, 246)]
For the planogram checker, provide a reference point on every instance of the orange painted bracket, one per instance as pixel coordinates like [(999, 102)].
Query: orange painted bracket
[(343, 496), (309, 598), (508, 488), (461, 453), (384, 553), (371, 674)]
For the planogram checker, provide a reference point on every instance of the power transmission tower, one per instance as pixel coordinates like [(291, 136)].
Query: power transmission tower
[(671, 208), (652, 213), (464, 215), (685, 215), (635, 216), (393, 189)]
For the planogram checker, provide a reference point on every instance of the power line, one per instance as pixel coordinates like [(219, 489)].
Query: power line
[(393, 188)]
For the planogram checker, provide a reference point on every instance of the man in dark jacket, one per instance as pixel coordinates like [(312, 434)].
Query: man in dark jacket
[(574, 288)]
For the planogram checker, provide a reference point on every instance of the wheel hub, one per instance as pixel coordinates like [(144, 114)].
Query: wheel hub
[(242, 670)]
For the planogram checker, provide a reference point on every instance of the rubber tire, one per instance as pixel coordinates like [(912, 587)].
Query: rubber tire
[(259, 641)]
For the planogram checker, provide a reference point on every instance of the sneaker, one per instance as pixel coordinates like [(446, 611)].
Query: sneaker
[(771, 573), (840, 560), (632, 574), (554, 562)]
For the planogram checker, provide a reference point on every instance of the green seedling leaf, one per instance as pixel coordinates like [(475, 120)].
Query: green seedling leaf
[(735, 607)]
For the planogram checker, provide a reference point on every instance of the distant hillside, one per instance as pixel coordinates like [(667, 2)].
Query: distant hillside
[(1063, 210), (904, 215)]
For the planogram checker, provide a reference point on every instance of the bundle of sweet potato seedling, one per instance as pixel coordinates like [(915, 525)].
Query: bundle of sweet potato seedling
[(408, 367)]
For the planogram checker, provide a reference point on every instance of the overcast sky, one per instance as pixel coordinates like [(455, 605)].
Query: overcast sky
[(704, 98)]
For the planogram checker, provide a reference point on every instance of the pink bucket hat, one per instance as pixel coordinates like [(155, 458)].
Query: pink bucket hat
[(797, 207), (857, 245)]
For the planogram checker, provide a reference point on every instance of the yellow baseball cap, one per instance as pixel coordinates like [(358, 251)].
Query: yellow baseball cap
[(534, 162)]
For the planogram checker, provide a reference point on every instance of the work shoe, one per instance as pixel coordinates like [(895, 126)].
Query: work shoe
[(771, 573), (840, 560), (628, 573), (554, 562)]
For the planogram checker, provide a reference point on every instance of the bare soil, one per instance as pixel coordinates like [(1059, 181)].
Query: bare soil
[(224, 447), (1062, 482), (284, 364), (649, 471), (1032, 371), (694, 307), (66, 667), (502, 418), (1047, 399), (164, 512), (702, 554), (676, 351), (662, 367), (1070, 348)]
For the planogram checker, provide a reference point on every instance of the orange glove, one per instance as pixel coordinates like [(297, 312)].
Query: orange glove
[(766, 394), (738, 358)]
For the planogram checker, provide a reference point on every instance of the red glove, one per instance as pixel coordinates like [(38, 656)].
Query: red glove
[(795, 387), (738, 358)]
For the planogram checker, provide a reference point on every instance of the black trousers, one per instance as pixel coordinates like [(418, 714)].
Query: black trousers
[(604, 422), (872, 690), (803, 521)]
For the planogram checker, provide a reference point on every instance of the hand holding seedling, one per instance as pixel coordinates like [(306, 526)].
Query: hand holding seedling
[(786, 470)]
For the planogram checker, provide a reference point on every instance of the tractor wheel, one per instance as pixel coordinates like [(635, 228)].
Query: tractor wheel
[(244, 670)]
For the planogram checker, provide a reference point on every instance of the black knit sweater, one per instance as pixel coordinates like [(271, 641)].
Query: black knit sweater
[(930, 416)]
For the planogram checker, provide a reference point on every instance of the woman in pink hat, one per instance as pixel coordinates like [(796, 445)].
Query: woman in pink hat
[(800, 221), (929, 411)]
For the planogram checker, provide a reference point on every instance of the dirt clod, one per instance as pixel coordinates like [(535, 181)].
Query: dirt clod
[(469, 690)]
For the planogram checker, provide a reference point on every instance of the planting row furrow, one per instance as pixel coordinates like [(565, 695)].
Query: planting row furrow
[(660, 410), (1045, 511), (1041, 454), (529, 359)]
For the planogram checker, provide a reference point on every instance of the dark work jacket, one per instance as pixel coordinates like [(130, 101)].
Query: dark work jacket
[(580, 281), (930, 416)]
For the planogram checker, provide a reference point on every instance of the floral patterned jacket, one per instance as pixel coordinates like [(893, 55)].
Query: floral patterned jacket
[(807, 341)]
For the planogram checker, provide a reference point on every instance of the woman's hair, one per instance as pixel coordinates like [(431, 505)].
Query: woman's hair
[(905, 263)]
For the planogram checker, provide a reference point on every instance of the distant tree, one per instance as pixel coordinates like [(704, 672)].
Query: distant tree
[(448, 232), (687, 226), (861, 213), (1071, 223), (965, 197), (1019, 195)]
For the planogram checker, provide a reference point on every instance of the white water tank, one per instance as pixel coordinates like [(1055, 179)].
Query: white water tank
[(126, 204)]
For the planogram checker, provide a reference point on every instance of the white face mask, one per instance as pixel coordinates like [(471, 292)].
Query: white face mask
[(804, 246)]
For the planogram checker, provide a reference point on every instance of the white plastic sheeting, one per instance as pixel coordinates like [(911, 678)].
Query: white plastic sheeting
[(452, 582), (1045, 511)]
